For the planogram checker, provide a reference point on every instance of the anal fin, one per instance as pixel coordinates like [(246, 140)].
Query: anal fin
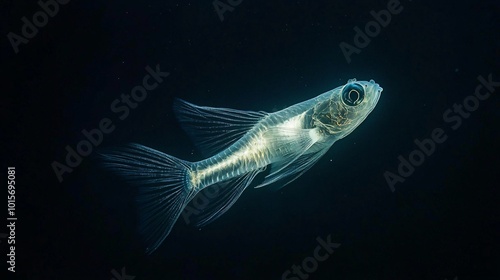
[(213, 201)]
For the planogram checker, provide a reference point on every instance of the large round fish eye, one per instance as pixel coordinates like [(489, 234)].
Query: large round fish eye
[(353, 94)]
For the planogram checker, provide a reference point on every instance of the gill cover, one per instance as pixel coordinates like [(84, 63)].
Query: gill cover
[(343, 111)]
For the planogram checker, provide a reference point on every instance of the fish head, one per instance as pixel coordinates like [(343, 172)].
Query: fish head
[(346, 107)]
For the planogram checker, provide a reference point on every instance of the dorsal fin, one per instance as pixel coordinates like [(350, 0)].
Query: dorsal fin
[(214, 129)]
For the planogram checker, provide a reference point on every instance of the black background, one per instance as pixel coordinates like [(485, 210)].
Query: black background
[(441, 223)]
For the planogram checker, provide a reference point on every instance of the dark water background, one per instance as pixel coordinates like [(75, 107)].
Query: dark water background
[(441, 223)]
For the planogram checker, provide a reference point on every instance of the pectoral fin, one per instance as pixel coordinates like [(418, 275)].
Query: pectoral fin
[(286, 172)]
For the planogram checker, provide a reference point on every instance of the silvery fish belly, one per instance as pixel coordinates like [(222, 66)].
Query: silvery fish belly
[(238, 145)]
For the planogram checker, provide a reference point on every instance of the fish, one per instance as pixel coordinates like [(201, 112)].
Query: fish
[(238, 145)]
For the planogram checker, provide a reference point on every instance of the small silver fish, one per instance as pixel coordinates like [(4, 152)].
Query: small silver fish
[(239, 145)]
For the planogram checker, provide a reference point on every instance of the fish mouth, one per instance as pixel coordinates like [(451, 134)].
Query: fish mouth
[(378, 92), (377, 89)]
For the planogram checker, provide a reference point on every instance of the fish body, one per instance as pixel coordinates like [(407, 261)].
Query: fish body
[(239, 145)]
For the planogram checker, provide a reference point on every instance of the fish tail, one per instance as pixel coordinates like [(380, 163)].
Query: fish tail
[(164, 189)]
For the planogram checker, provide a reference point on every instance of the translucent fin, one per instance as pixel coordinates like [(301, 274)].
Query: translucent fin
[(291, 149), (214, 129), (163, 193), (293, 170), (215, 200)]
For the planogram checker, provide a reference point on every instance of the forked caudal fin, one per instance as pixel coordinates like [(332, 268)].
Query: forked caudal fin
[(164, 190)]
